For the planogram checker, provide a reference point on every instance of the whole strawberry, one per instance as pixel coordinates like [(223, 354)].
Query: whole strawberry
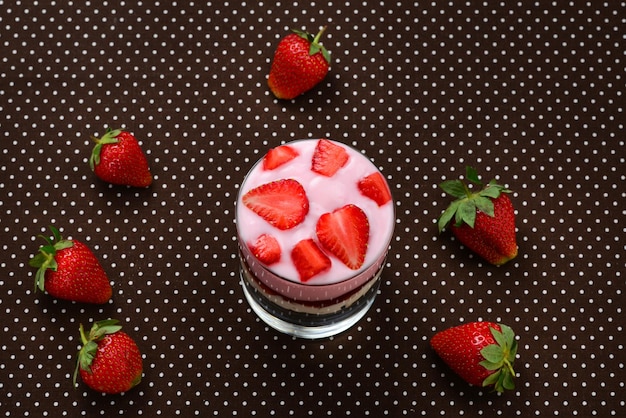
[(118, 159), (484, 220), (300, 63), (67, 269), (109, 360), (481, 353)]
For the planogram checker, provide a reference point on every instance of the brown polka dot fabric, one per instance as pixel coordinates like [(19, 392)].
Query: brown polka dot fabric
[(531, 94)]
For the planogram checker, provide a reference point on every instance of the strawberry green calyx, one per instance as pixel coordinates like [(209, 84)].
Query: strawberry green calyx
[(90, 343), (500, 357), (45, 259), (464, 208), (110, 137), (314, 41)]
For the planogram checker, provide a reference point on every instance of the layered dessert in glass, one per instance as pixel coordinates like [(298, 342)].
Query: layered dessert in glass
[(314, 218)]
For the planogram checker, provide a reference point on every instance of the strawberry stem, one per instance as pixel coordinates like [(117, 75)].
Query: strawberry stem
[(83, 336), (319, 34), (81, 354), (315, 46)]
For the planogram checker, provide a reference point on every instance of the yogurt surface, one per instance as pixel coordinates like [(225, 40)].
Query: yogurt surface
[(325, 194)]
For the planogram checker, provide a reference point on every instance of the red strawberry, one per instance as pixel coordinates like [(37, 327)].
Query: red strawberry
[(328, 158), (278, 156), (482, 353), (109, 361), (375, 187), (300, 63), (309, 259), (67, 269), (345, 233), (484, 220), (283, 203), (117, 158), (266, 249)]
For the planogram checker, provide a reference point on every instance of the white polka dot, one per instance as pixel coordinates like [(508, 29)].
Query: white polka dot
[(530, 94)]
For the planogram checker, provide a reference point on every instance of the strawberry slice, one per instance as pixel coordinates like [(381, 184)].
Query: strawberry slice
[(345, 233), (328, 158), (266, 249), (282, 203), (375, 187), (309, 259), (279, 156)]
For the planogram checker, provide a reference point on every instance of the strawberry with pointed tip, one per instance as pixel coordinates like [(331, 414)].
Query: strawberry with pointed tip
[(109, 360), (481, 353), (117, 158), (282, 203), (484, 220), (344, 233), (67, 269), (300, 63)]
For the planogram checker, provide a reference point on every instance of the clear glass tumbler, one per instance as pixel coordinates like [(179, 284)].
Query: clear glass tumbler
[(315, 219)]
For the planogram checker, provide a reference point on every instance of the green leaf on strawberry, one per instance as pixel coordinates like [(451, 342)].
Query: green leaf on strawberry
[(500, 357), (472, 175), (463, 210), (110, 137), (45, 259), (455, 188)]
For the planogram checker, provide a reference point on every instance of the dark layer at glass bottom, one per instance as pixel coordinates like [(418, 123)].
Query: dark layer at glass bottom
[(308, 320)]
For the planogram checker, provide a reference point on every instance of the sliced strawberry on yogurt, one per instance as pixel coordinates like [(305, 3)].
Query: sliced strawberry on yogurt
[(309, 259), (328, 158), (279, 156), (345, 233), (375, 187), (266, 249), (282, 203)]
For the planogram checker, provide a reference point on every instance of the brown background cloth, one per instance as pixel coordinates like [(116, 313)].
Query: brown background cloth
[(529, 94)]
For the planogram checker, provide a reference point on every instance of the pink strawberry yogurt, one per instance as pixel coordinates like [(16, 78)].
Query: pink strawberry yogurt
[(325, 194)]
